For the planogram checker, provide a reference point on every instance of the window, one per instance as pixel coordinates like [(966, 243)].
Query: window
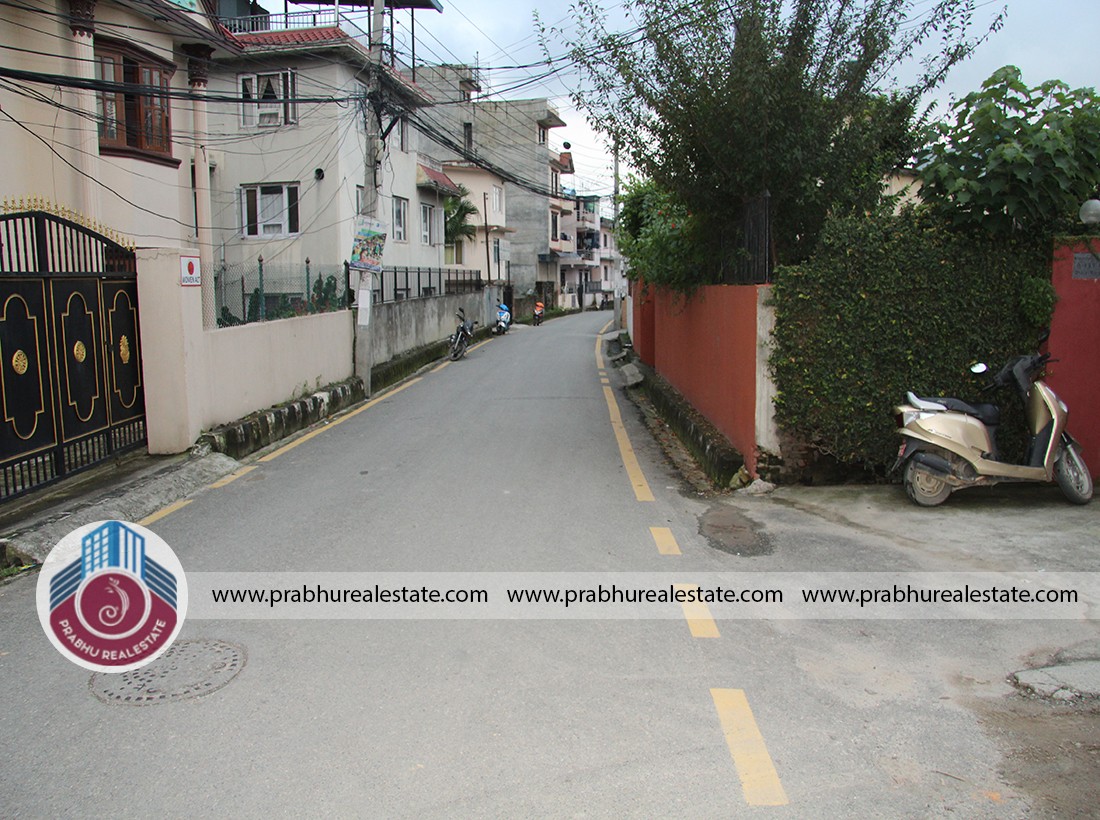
[(555, 182), (453, 254), (269, 210), (427, 223), (605, 240), (268, 100), (468, 136), (553, 227), (403, 134), (131, 122), (360, 192), (498, 199), (542, 135), (400, 218)]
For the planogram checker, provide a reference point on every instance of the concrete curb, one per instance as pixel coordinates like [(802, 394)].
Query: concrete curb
[(718, 458), (254, 432)]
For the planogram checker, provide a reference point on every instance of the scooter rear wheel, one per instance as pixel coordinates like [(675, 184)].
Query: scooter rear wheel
[(1073, 476), (923, 488)]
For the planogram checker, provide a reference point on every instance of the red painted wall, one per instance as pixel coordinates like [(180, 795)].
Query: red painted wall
[(1075, 342), (705, 347)]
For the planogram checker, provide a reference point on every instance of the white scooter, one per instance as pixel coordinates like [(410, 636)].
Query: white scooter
[(948, 444)]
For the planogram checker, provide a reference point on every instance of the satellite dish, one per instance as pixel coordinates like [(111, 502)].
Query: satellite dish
[(566, 145)]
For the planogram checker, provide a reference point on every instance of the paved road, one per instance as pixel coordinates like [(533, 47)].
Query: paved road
[(508, 461)]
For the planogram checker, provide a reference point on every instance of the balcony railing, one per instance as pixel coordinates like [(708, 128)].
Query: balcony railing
[(296, 20)]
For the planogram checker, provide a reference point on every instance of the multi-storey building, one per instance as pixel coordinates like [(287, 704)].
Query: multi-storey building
[(292, 175)]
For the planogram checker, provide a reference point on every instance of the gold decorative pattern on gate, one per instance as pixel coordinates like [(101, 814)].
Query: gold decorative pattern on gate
[(124, 349), (77, 310), (21, 364)]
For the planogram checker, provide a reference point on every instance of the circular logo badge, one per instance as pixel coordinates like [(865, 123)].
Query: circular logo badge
[(112, 596)]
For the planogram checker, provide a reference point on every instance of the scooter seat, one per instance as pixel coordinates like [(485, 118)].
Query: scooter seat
[(988, 414)]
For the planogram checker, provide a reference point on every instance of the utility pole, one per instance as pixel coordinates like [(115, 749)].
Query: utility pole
[(363, 350), (485, 219), (369, 206)]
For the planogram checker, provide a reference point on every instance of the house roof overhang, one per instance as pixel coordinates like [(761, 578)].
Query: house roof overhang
[(430, 178)]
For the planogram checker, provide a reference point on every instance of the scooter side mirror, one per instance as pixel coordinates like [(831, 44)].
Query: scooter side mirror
[(979, 367)]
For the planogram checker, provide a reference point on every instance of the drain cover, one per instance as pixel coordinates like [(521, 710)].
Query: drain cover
[(189, 669)]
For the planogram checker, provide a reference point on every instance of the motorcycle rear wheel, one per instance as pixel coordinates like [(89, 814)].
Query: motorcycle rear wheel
[(1073, 476), (923, 488)]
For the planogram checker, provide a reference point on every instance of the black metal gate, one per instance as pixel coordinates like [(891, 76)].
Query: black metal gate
[(70, 354)]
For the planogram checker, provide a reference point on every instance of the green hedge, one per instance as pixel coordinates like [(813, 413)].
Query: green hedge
[(891, 303)]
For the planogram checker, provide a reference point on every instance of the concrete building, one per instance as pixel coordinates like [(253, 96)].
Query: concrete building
[(510, 139), (293, 177)]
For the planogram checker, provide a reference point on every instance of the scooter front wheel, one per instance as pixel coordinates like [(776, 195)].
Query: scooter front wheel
[(923, 488), (1072, 475), (458, 350)]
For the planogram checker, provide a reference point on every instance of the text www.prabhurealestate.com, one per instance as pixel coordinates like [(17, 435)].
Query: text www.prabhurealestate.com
[(318, 594), (673, 594), (909, 594)]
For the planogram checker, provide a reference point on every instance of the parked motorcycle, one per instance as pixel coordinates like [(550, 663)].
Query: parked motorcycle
[(504, 321), (462, 337), (539, 308), (948, 444)]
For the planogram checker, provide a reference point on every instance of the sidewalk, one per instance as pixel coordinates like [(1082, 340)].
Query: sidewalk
[(129, 489)]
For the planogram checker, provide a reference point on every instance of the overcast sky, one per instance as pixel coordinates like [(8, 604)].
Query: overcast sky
[(1047, 39)]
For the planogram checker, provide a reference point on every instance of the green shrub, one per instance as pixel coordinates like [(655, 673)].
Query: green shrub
[(891, 303)]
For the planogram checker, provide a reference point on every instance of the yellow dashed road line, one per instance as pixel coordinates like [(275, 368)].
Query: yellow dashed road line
[(630, 461), (698, 616), (159, 514), (666, 543), (759, 779)]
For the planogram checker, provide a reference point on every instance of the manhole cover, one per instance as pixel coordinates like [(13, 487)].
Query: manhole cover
[(189, 669)]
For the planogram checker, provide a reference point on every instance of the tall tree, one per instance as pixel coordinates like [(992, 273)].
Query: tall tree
[(720, 101), (1016, 157)]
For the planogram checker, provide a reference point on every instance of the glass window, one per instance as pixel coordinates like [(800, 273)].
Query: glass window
[(133, 121), (269, 100), (269, 210), (427, 218), (400, 218)]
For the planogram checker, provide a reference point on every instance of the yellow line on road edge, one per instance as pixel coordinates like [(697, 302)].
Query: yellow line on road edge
[(599, 339), (229, 479), (666, 543), (159, 514), (440, 367), (759, 780), (316, 432), (630, 461), (698, 616)]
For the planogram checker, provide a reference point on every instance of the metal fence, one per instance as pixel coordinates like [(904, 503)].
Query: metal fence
[(260, 291), (398, 284)]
